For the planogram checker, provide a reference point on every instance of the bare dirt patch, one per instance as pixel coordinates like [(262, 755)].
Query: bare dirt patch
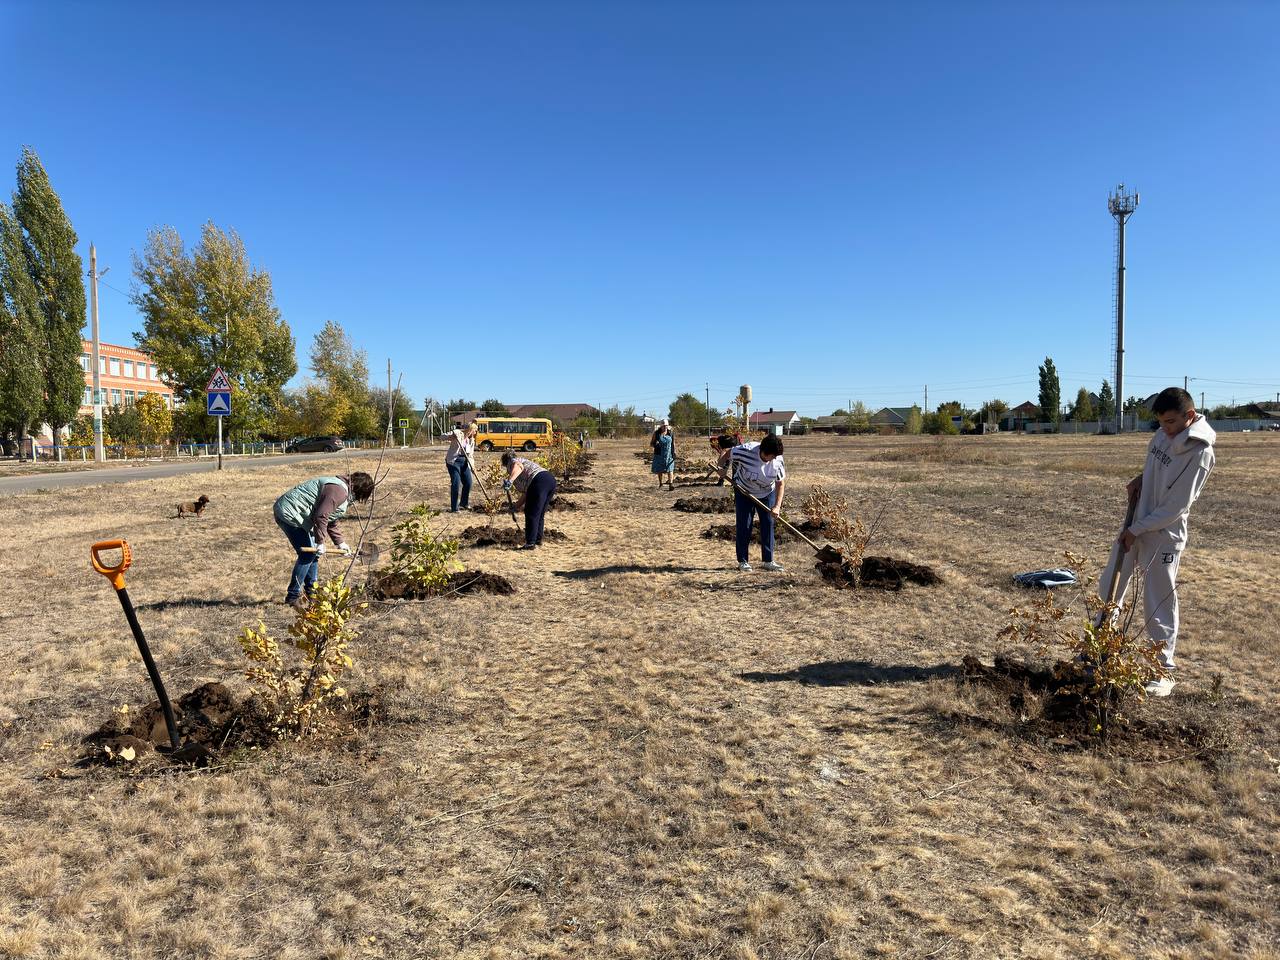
[(503, 536), (880, 573), (704, 505), (645, 752), (1046, 703)]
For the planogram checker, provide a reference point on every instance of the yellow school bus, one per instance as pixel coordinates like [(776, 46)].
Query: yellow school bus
[(502, 433)]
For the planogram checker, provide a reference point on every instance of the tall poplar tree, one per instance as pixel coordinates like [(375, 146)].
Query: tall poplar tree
[(1050, 392), (58, 277), (207, 309), (21, 335), (1106, 401)]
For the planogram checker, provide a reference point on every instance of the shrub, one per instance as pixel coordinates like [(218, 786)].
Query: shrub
[(838, 523), (1107, 638), (297, 696), (418, 555)]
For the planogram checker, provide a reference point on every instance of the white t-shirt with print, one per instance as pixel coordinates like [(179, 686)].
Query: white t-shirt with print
[(753, 474)]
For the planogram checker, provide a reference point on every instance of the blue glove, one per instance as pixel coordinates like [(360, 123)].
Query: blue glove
[(506, 484)]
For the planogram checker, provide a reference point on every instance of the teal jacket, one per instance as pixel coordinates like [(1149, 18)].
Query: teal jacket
[(316, 505)]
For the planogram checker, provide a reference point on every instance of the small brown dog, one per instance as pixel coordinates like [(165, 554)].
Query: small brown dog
[(193, 509)]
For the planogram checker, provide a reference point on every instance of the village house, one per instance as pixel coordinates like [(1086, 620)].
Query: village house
[(779, 422)]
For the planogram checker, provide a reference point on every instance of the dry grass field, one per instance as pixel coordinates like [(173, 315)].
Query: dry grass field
[(643, 752)]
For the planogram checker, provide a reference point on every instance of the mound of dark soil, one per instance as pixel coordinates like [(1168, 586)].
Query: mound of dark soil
[(879, 573), (1049, 703), (390, 587), (211, 722), (477, 581), (503, 536), (695, 480), (704, 505), (560, 503), (573, 486), (727, 531)]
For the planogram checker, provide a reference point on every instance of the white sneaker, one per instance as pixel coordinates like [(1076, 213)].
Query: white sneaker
[(744, 567), (770, 565), (1160, 688)]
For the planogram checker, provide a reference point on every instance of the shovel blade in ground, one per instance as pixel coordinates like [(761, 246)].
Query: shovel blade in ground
[(829, 554)]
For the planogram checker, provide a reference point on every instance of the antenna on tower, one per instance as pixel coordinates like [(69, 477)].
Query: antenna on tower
[(1121, 206)]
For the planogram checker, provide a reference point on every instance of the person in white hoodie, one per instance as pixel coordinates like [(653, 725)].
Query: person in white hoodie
[(1179, 461)]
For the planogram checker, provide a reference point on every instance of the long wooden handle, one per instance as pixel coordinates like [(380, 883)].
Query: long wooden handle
[(1118, 550), (760, 503)]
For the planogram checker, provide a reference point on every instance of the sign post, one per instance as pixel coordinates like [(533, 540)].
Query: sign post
[(218, 402), (404, 425)]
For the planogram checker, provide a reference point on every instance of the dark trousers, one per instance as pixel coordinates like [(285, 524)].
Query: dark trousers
[(459, 480), (541, 489), (746, 513), (308, 564)]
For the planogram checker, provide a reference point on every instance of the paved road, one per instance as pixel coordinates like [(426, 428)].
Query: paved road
[(91, 477)]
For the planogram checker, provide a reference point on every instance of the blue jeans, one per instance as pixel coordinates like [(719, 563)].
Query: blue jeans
[(746, 513), (308, 564), (541, 489), (459, 480)]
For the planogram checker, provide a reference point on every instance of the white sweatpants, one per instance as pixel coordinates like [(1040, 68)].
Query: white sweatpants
[(1157, 555)]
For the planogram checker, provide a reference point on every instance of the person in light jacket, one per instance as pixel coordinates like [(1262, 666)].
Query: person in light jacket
[(1180, 458), (457, 460), (307, 514)]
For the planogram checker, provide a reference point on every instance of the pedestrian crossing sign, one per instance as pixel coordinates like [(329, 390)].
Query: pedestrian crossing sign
[(219, 382)]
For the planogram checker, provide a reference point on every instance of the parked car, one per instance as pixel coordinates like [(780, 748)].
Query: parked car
[(315, 445)]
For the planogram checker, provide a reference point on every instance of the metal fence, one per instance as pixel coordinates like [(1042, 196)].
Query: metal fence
[(170, 451)]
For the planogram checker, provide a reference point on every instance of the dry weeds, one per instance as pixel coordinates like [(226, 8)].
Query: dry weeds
[(644, 753)]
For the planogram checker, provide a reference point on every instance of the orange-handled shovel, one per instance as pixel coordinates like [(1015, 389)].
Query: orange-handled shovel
[(116, 575)]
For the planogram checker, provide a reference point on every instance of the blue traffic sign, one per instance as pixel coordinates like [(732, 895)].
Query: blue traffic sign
[(218, 404)]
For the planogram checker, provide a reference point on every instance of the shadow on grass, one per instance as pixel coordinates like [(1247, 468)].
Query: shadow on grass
[(198, 602), (854, 673), (593, 573)]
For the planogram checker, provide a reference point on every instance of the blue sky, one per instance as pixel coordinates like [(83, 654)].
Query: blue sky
[(616, 202)]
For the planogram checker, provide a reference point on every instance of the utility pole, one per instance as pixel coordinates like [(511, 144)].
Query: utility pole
[(1121, 206), (1185, 381), (1202, 400), (391, 406), (708, 385), (926, 398), (99, 452), (226, 338)]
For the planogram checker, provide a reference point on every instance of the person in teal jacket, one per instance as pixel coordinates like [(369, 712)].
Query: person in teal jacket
[(307, 514)]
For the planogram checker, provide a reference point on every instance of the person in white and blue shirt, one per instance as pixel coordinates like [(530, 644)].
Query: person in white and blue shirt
[(757, 470)]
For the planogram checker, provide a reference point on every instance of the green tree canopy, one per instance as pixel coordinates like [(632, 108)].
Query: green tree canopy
[(1083, 408), (1106, 401), (212, 308), (992, 411), (401, 407), (915, 422), (57, 276), (21, 335), (1050, 392), (343, 372), (495, 408), (688, 411)]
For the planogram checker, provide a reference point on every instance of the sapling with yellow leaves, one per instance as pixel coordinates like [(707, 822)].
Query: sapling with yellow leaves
[(298, 694)]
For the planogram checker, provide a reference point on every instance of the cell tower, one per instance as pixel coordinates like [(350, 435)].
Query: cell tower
[(1121, 205)]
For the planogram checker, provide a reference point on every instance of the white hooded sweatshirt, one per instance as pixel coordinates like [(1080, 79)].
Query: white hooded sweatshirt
[(1173, 477)]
